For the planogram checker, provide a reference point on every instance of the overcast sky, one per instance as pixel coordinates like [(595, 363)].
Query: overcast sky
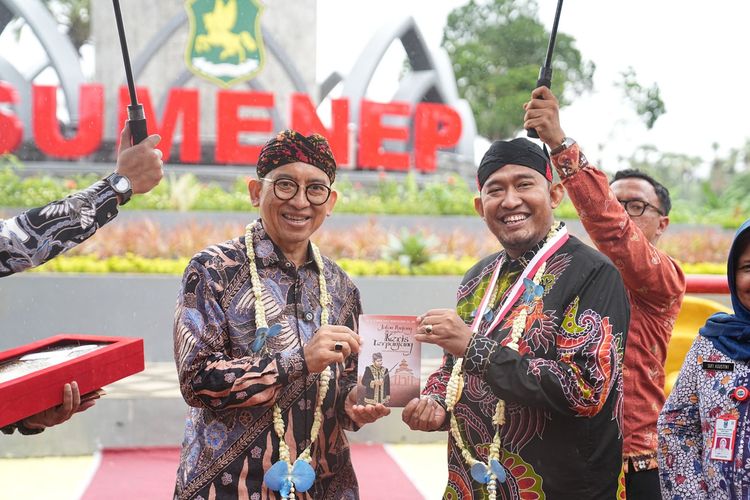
[(695, 51)]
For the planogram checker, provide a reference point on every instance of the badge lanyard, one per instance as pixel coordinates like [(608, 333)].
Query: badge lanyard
[(511, 295)]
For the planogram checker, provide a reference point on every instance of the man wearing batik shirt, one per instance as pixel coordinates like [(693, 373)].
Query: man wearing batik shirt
[(625, 220), (531, 383), (266, 345), (40, 234)]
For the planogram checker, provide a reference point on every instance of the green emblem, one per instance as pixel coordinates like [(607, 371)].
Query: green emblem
[(225, 44)]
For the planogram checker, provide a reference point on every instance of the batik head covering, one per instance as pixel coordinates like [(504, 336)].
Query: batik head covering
[(289, 146), (519, 151), (730, 333)]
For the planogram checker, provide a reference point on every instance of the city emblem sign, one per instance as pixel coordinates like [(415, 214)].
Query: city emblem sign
[(225, 44)]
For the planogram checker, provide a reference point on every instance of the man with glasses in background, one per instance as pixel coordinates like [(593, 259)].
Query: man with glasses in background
[(625, 219), (266, 344)]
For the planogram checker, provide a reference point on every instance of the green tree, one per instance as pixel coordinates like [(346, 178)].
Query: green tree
[(646, 100), (75, 15), (497, 47), (675, 170)]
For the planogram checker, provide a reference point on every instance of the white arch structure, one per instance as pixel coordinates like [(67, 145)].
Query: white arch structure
[(62, 56)]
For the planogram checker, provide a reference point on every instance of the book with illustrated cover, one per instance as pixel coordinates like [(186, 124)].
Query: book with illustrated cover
[(389, 360)]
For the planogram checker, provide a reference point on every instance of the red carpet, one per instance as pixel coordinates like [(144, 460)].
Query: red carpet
[(149, 473), (143, 473), (379, 476)]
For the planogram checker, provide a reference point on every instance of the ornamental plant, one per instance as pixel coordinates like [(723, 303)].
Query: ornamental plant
[(365, 248)]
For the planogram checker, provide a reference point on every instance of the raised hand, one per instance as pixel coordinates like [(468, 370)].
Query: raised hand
[(140, 163), (543, 114)]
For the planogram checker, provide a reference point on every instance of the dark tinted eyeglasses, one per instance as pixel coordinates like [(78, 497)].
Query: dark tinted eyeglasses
[(286, 189), (635, 208)]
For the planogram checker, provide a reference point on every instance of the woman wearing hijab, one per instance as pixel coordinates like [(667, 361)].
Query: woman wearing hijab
[(704, 428)]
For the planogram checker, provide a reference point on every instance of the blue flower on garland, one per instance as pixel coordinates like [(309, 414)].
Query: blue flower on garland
[(481, 473), (279, 478), (533, 291), (262, 334), (489, 315)]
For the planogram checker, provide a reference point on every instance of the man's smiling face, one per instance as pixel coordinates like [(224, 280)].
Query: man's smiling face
[(516, 203), (290, 223)]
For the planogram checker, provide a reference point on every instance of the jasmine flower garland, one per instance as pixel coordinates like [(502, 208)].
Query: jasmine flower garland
[(487, 473), (283, 476)]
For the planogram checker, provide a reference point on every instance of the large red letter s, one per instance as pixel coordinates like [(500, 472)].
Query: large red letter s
[(47, 131), (11, 127)]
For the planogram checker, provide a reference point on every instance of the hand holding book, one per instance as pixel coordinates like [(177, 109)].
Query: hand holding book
[(424, 414), (364, 414), (331, 344), (445, 328)]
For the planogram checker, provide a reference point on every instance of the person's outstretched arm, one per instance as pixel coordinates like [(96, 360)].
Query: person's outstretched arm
[(40, 234), (648, 272)]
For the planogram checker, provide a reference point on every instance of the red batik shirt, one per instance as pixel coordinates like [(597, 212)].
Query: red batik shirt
[(655, 286)]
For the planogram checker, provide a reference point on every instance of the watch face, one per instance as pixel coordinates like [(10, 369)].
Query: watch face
[(121, 185)]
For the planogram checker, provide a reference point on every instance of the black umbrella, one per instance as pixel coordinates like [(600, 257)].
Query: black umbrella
[(545, 72), (136, 116)]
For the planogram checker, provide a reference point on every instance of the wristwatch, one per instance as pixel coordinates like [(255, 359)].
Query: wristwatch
[(122, 186), (565, 144)]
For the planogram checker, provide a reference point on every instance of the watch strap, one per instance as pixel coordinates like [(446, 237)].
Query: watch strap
[(565, 144), (125, 195)]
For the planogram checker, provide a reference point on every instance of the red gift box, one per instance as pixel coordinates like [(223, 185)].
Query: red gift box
[(39, 390)]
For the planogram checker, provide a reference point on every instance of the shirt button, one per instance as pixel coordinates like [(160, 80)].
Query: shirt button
[(309, 316), (287, 264)]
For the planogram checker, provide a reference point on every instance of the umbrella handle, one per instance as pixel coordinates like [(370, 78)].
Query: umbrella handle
[(545, 80), (137, 124)]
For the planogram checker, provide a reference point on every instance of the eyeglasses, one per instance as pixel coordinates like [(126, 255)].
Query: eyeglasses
[(635, 208), (286, 189)]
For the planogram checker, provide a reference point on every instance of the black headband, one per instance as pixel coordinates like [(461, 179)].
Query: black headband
[(519, 151)]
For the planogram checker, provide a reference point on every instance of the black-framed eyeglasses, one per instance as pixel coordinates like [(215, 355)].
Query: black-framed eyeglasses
[(286, 189), (635, 208)]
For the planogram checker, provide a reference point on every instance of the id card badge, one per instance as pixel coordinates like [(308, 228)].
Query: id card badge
[(725, 430)]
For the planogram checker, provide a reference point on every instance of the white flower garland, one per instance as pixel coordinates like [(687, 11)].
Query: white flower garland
[(325, 377), (453, 394)]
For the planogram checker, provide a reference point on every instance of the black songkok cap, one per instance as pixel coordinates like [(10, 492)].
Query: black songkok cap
[(289, 146), (519, 151)]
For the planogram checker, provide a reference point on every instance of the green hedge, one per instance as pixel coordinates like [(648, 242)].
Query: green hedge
[(140, 265), (442, 195), (446, 194)]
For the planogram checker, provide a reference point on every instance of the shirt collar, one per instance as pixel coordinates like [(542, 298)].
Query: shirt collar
[(268, 253), (522, 261)]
